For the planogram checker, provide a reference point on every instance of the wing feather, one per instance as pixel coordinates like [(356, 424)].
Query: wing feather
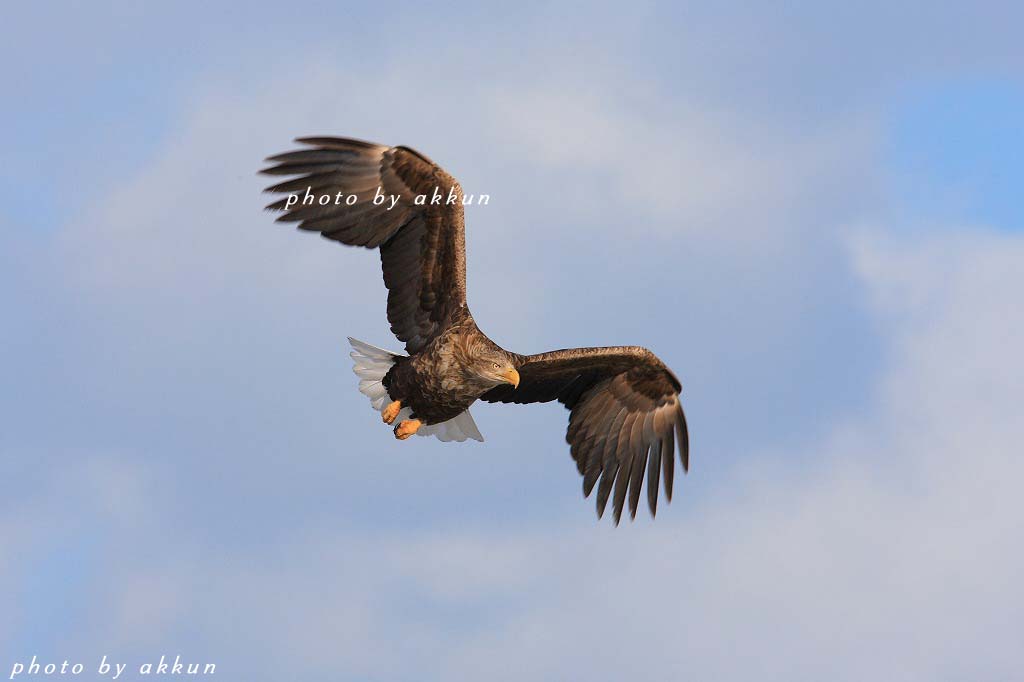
[(684, 438), (653, 472), (639, 444), (622, 485), (605, 488), (624, 456), (666, 429), (595, 462), (625, 419), (422, 247)]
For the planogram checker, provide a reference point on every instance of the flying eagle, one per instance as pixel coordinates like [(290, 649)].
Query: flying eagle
[(625, 415)]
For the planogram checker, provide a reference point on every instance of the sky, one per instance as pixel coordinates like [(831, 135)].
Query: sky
[(811, 213)]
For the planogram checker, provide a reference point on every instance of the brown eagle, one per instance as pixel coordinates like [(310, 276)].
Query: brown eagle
[(625, 415)]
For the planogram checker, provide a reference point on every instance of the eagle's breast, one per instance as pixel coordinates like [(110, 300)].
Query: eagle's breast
[(438, 382)]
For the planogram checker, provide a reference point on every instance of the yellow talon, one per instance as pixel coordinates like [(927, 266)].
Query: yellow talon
[(391, 411), (407, 428)]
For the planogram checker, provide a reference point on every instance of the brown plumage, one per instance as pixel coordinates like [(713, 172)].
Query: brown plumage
[(625, 415)]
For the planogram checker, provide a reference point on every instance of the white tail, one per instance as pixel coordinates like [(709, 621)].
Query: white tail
[(372, 363)]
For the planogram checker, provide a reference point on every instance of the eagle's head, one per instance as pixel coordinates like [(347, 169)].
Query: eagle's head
[(496, 367)]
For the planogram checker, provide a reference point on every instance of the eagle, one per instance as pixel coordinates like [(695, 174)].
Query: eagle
[(625, 416)]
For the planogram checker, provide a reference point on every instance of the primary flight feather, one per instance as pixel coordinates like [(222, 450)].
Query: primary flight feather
[(625, 416)]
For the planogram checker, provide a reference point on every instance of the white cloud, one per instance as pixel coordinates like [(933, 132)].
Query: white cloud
[(681, 166)]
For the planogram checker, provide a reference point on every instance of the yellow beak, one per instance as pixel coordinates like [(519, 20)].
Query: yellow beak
[(512, 377)]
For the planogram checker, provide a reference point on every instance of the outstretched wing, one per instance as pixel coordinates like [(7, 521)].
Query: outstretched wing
[(422, 243), (625, 417)]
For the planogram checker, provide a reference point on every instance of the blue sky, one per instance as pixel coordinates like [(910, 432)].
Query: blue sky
[(956, 148), (812, 215)]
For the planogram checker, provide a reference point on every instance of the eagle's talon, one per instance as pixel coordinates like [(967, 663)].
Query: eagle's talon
[(406, 428), (391, 412)]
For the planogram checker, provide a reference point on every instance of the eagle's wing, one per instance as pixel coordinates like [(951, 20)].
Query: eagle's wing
[(625, 417), (422, 244)]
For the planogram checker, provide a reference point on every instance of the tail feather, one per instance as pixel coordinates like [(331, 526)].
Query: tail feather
[(371, 364)]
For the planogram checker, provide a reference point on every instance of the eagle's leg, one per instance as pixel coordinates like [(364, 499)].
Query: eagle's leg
[(391, 411), (407, 428)]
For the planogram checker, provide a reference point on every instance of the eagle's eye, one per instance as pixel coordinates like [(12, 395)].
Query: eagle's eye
[(495, 365)]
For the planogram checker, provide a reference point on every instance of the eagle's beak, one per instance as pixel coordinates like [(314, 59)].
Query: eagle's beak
[(512, 377)]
